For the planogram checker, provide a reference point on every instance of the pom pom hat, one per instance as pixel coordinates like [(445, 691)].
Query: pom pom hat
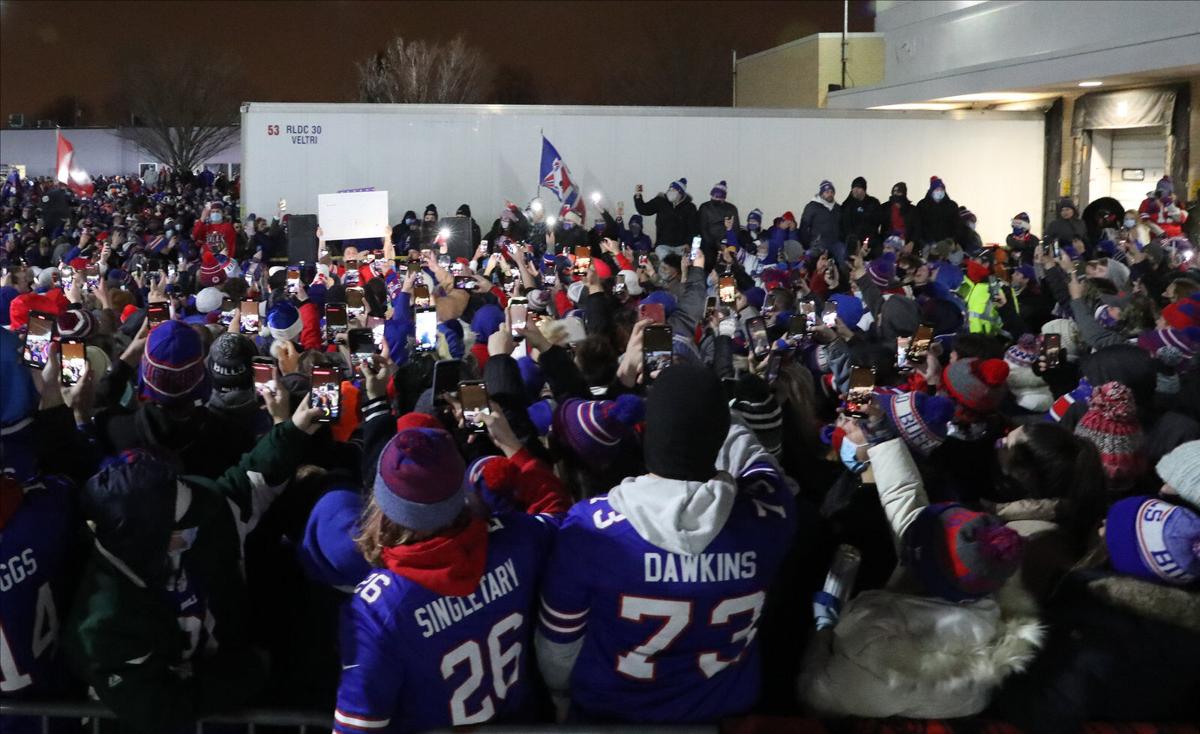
[(976, 384), (596, 430), (1111, 423), (419, 483), (959, 554), (172, 369)]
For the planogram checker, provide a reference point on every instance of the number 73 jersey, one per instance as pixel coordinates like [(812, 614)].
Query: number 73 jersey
[(666, 637)]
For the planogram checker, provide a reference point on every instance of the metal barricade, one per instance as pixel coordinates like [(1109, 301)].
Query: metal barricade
[(302, 722)]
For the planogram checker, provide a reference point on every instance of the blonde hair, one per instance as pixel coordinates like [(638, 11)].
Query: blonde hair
[(378, 531)]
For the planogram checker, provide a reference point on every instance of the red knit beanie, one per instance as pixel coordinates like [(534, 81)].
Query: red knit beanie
[(416, 420), (1182, 314), (1111, 423)]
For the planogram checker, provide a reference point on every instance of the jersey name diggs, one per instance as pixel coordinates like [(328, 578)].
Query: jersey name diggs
[(16, 569), (439, 614), (699, 568)]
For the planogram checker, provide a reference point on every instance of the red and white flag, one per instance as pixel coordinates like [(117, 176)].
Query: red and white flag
[(66, 172)]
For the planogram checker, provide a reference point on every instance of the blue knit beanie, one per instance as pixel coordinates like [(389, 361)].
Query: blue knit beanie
[(488, 318), (663, 297), (172, 369), (1154, 540), (849, 309)]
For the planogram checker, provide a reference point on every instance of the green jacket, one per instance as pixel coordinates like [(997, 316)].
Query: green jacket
[(124, 639)]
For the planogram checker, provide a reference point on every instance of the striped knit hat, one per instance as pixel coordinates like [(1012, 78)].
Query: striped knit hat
[(883, 269), (921, 420), (1154, 540), (1024, 353), (756, 405), (719, 191), (1111, 424), (76, 323), (1173, 346), (596, 430), (172, 370), (959, 554)]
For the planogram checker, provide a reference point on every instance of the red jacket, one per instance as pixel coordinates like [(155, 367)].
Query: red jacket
[(216, 236), (310, 335)]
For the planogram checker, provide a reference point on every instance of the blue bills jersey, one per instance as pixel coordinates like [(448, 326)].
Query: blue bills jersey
[(413, 659), (33, 548), (666, 637)]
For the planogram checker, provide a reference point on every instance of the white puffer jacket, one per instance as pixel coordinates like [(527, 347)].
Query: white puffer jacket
[(899, 654)]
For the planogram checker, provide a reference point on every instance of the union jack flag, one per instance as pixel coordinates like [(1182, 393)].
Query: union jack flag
[(557, 177)]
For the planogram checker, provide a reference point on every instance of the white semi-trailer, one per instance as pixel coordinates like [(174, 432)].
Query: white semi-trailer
[(482, 155)]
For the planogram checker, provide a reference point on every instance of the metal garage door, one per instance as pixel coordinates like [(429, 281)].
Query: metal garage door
[(1139, 148)]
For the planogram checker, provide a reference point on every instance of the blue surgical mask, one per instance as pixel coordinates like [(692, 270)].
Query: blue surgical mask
[(1129, 223), (849, 456), (178, 227), (215, 217), (938, 195), (568, 225), (753, 226)]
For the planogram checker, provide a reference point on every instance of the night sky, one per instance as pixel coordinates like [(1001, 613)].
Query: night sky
[(673, 53)]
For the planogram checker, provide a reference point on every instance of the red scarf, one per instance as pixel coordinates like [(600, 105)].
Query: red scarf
[(450, 565), (897, 220)]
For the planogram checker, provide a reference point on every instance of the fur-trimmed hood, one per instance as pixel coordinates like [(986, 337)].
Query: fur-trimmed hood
[(1168, 604), (896, 654)]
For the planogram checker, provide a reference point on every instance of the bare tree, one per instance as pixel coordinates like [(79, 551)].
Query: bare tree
[(419, 71), (182, 109)]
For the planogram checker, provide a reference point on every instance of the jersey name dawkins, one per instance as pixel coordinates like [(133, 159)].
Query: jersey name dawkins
[(700, 568)]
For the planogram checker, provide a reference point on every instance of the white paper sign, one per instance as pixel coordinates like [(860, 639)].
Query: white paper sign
[(353, 216)]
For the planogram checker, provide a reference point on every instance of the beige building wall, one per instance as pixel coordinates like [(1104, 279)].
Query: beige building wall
[(798, 74), (864, 62)]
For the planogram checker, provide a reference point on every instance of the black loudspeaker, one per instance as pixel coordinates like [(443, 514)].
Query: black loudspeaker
[(302, 238)]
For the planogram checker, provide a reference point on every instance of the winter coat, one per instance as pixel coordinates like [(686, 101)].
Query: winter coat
[(1119, 649), (675, 224), (820, 223), (123, 637), (906, 213), (711, 225), (1062, 231), (1024, 248), (860, 218), (199, 441), (939, 220), (896, 654)]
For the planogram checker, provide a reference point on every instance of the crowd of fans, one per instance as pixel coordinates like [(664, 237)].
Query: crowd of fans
[(855, 463)]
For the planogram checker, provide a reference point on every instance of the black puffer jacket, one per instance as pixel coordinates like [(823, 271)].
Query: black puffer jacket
[(1119, 649), (675, 225), (711, 223), (939, 220)]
